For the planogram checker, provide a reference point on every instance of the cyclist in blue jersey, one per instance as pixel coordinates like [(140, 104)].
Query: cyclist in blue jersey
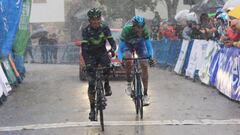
[(135, 37)]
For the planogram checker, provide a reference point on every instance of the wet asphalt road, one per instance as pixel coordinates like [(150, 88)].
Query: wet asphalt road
[(52, 101)]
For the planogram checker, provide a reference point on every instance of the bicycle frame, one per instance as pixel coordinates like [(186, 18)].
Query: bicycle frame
[(137, 83)]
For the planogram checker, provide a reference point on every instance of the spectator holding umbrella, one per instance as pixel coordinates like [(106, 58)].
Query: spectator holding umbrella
[(43, 43), (42, 34)]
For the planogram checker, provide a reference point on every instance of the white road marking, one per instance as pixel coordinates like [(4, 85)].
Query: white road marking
[(123, 123)]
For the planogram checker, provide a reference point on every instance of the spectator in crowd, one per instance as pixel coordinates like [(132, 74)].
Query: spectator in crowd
[(29, 51), (220, 24), (162, 29), (43, 43), (197, 33), (237, 43), (179, 29), (53, 48), (155, 26), (232, 33), (168, 30), (187, 31), (206, 26), (156, 19)]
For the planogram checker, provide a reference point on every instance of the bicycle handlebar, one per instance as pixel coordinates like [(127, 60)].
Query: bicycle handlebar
[(100, 69)]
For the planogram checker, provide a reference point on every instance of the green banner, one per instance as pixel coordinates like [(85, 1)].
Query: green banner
[(23, 30), (9, 72)]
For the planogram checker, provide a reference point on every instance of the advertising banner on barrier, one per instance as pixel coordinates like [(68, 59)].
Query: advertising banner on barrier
[(23, 29), (204, 69), (227, 77), (166, 51), (213, 65), (187, 57), (225, 72), (172, 57), (9, 19), (9, 72), (181, 57), (196, 58), (22, 38), (161, 49), (4, 83)]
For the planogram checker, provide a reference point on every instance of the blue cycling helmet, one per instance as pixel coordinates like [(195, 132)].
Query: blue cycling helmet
[(138, 20)]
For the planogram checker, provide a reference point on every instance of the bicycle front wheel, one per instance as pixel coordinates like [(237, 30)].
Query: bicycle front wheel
[(101, 118), (135, 94), (139, 95)]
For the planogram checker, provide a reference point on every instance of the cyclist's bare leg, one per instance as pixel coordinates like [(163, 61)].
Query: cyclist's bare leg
[(144, 67), (128, 69), (128, 66)]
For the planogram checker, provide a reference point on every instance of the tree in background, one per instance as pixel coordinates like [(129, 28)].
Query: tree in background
[(76, 15), (171, 7), (125, 9)]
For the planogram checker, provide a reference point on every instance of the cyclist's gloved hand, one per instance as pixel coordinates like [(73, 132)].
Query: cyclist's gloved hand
[(151, 62)]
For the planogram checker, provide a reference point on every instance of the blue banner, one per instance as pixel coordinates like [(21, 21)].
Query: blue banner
[(10, 12), (161, 49), (227, 72), (174, 50)]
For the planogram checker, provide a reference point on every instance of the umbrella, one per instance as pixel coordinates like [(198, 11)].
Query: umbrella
[(231, 4), (207, 6), (39, 33), (235, 12), (181, 15), (184, 15)]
